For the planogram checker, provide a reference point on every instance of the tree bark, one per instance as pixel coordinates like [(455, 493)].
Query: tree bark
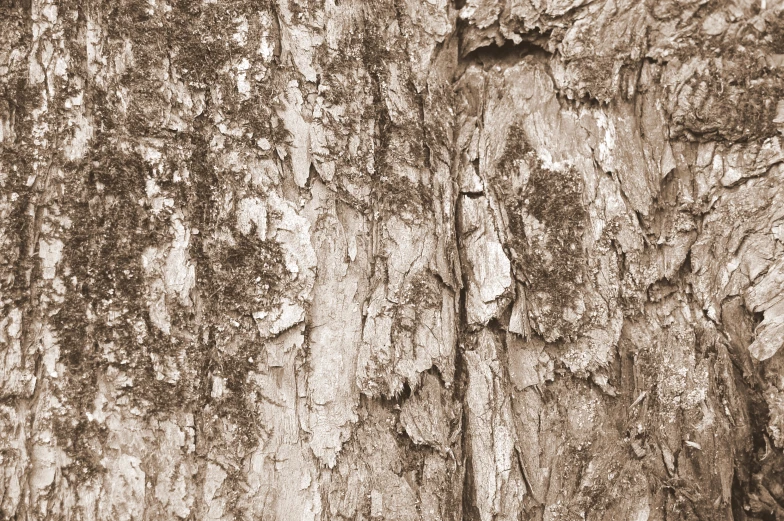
[(402, 259)]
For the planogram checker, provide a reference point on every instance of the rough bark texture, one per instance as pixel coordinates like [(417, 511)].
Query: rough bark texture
[(399, 260)]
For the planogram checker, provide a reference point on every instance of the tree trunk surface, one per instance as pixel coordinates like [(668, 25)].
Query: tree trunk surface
[(303, 260)]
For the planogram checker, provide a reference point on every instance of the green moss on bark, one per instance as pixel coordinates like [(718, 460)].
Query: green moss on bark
[(552, 258), (104, 320), (230, 421)]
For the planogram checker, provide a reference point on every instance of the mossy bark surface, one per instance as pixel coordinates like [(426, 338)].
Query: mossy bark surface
[(427, 260)]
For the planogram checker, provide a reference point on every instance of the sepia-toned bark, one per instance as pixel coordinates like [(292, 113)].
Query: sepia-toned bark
[(483, 260)]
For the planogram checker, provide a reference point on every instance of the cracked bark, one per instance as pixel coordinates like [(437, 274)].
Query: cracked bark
[(303, 259)]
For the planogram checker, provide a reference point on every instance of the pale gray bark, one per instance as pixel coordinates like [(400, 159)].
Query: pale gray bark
[(401, 259)]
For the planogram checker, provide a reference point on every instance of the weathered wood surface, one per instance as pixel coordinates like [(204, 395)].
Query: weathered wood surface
[(393, 259)]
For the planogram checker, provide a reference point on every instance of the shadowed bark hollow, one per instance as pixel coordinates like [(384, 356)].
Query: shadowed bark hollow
[(483, 260)]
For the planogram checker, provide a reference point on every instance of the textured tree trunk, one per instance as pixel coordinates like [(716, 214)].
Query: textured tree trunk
[(391, 259)]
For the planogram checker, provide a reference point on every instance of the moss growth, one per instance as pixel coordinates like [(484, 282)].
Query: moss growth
[(17, 101), (596, 77), (83, 441), (102, 254), (776, 35), (233, 423), (198, 35), (241, 278), (552, 261), (104, 319), (423, 291), (244, 277), (353, 76), (195, 42), (402, 197), (13, 264), (400, 143), (735, 98), (737, 104), (107, 238), (235, 278)]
